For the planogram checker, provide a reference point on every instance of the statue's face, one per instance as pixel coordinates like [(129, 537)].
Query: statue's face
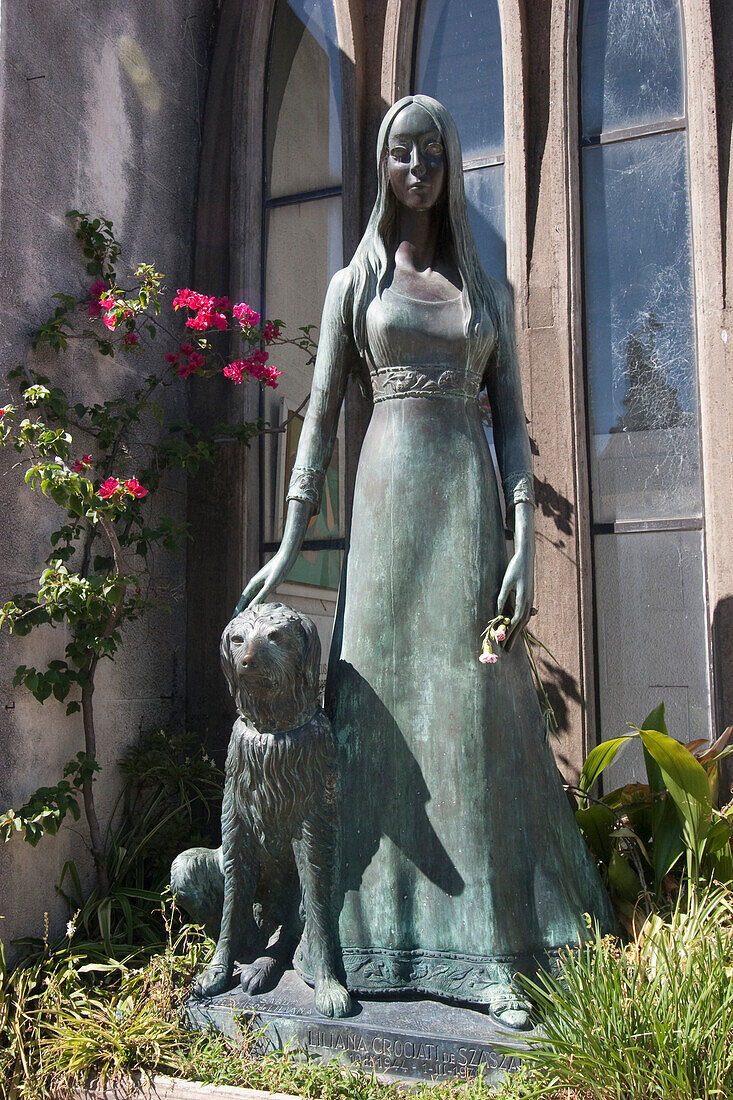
[(416, 164)]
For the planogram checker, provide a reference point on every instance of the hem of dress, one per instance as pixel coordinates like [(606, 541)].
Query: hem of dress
[(467, 979)]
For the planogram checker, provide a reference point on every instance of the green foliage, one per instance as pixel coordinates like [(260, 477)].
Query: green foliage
[(98, 242), (170, 800), (122, 947), (48, 806), (652, 1020), (97, 577), (68, 1011), (642, 833)]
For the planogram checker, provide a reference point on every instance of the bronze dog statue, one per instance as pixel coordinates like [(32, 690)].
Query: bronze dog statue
[(278, 816)]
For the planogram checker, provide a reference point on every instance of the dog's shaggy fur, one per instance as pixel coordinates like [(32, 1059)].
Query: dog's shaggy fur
[(278, 816)]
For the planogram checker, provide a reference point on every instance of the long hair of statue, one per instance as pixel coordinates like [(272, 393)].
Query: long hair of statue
[(371, 264)]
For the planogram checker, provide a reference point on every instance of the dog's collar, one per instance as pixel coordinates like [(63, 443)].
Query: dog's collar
[(278, 732)]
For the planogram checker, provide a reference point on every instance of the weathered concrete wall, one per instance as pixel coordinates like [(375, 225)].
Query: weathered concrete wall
[(101, 111)]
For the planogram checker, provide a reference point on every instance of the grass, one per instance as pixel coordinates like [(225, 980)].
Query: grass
[(649, 1020), (70, 1016)]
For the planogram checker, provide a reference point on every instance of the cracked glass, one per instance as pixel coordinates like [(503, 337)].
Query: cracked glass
[(640, 330), (459, 63), (632, 71)]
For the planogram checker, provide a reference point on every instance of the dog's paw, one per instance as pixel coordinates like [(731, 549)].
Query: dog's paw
[(331, 999), (215, 979), (260, 976)]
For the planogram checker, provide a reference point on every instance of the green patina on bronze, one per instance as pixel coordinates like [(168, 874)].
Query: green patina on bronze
[(460, 860)]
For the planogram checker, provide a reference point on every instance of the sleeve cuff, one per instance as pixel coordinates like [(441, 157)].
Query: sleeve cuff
[(306, 484), (518, 488)]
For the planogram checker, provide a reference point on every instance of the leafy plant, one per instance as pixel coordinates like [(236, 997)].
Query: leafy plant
[(96, 578), (645, 834), (651, 1020)]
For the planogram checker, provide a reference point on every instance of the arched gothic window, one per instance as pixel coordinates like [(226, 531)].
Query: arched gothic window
[(646, 492), (458, 61), (301, 250)]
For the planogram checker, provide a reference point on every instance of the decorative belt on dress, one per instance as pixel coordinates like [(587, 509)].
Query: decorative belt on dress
[(392, 382)]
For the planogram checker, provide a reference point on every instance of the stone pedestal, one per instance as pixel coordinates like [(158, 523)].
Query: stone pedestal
[(399, 1039)]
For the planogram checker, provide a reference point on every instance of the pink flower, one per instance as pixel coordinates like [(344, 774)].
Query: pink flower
[(108, 488), (200, 320), (2, 413), (234, 370), (246, 316), (255, 366), (133, 486), (186, 348), (191, 299), (171, 357), (82, 463), (222, 302), (107, 303), (110, 321), (131, 339), (270, 332), (185, 368), (95, 290), (196, 360), (500, 634)]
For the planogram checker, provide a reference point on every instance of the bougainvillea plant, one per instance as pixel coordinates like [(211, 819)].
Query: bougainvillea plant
[(101, 464)]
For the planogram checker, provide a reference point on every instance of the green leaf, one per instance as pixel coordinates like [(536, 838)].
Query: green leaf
[(687, 783), (718, 836), (596, 823), (654, 721), (597, 760), (669, 843), (61, 690), (623, 878)]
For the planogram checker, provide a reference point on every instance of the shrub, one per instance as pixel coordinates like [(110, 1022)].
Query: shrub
[(651, 1020)]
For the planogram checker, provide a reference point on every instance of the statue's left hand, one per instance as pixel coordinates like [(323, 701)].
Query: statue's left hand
[(517, 591)]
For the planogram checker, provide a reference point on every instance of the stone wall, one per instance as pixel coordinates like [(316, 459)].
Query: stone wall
[(101, 110)]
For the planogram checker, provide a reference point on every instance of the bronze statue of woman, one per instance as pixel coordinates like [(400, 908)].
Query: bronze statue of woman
[(461, 865)]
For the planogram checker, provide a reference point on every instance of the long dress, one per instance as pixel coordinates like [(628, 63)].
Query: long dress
[(460, 863)]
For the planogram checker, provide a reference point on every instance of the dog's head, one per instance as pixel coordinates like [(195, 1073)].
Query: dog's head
[(271, 657)]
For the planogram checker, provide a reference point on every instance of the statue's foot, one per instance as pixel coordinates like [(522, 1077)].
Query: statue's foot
[(216, 979), (511, 1012), (331, 999), (260, 976)]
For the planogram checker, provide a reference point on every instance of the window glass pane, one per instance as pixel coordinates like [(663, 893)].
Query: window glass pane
[(485, 199), (652, 644), (459, 64), (640, 331), (631, 64), (303, 147), (303, 251), (321, 568)]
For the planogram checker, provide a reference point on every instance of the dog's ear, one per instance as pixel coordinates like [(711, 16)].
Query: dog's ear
[(311, 654), (225, 653)]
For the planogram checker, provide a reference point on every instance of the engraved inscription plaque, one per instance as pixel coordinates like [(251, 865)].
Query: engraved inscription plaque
[(398, 1039)]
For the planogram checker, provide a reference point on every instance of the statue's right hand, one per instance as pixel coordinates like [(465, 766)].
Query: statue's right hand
[(272, 574)]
